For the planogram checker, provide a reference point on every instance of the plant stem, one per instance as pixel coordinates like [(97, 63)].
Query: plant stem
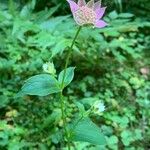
[(66, 134), (69, 54)]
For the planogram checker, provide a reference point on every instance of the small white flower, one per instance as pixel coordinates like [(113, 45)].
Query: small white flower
[(101, 107), (98, 107), (49, 68), (45, 67)]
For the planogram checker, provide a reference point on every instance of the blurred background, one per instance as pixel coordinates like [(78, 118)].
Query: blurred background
[(112, 65)]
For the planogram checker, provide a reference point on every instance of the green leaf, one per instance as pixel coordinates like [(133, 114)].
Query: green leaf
[(125, 15), (60, 46), (41, 16), (40, 85), (112, 140), (113, 15), (68, 76), (27, 9), (4, 139), (86, 131), (4, 101)]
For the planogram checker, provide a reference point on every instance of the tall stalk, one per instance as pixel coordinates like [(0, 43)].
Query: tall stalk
[(66, 134)]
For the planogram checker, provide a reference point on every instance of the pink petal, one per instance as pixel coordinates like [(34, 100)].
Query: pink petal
[(90, 4), (97, 5), (100, 12), (81, 3), (100, 24), (73, 5)]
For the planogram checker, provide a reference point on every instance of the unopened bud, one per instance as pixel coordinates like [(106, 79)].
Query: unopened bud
[(49, 68)]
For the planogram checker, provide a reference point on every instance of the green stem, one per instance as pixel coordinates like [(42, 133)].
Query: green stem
[(66, 134), (69, 54)]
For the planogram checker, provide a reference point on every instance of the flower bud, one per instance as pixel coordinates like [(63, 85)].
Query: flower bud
[(98, 107), (49, 68)]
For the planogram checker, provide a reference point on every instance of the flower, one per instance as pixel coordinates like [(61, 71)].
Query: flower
[(90, 13), (98, 107), (49, 68)]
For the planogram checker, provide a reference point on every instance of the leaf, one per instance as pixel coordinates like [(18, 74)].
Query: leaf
[(60, 46), (45, 14), (40, 85), (68, 76), (4, 101), (112, 140), (51, 25), (125, 15), (113, 15), (42, 40), (27, 9), (4, 139), (87, 131)]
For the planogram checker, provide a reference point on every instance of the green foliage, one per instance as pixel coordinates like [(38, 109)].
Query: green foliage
[(10, 136), (112, 142), (108, 68), (128, 136)]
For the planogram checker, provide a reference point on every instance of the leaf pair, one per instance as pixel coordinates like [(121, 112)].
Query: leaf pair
[(45, 84)]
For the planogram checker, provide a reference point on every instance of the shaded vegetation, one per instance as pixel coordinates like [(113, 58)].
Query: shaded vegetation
[(112, 64)]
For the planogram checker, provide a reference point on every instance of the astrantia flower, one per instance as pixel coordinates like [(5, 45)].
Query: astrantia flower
[(90, 13)]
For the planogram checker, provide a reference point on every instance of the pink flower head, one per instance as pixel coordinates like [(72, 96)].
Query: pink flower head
[(90, 13)]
